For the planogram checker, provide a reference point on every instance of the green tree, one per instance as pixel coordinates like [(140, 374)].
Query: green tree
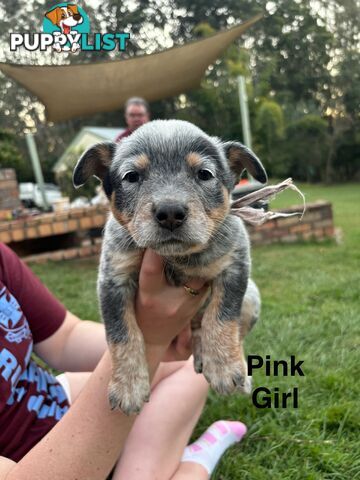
[(303, 55), (304, 150), (269, 128), (11, 157), (346, 163)]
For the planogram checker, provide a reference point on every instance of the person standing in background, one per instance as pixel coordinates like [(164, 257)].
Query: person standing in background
[(137, 112)]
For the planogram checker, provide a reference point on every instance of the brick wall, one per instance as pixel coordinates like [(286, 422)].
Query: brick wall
[(316, 224), (87, 249), (9, 192), (50, 224)]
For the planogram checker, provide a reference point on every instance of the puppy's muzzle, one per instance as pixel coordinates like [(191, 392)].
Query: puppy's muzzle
[(77, 16), (170, 215)]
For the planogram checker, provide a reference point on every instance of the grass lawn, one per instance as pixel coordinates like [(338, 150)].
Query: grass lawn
[(310, 310)]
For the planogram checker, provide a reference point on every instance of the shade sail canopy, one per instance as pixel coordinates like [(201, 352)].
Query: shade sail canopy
[(69, 91)]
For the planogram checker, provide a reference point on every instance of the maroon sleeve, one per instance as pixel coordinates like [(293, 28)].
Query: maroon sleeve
[(124, 134), (43, 311)]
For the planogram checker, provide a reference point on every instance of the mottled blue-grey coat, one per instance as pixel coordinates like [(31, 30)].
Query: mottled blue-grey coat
[(169, 186)]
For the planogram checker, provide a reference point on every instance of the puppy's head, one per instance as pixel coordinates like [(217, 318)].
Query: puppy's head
[(169, 183)]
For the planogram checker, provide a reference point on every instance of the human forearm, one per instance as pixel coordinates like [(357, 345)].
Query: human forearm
[(86, 443), (77, 345), (87, 343), (84, 347)]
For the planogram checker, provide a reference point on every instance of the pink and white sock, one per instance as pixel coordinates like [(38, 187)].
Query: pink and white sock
[(208, 449)]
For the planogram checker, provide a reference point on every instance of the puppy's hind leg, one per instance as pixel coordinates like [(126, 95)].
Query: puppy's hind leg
[(224, 364)]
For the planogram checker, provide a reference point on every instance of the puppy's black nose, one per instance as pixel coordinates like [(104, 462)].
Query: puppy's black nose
[(170, 215)]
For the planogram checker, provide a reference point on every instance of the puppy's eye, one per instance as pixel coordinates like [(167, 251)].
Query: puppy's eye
[(131, 177), (205, 175)]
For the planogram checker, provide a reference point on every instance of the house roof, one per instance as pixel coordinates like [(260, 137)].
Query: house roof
[(99, 134), (105, 132)]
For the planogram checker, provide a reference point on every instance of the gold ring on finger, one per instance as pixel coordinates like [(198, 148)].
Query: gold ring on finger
[(191, 291)]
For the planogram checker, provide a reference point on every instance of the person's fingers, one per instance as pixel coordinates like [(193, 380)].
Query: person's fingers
[(200, 293), (195, 283), (152, 277)]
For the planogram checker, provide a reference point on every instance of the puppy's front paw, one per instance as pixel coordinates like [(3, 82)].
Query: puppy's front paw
[(226, 375), (128, 395)]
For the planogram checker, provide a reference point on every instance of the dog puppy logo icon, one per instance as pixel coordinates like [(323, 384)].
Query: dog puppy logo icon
[(66, 22)]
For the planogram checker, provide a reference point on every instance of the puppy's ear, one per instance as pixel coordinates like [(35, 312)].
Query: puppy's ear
[(54, 15), (95, 161), (241, 157)]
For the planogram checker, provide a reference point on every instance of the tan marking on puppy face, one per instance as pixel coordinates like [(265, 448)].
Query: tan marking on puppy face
[(143, 215), (218, 214), (121, 217), (193, 159), (198, 216), (143, 224), (142, 161), (123, 264)]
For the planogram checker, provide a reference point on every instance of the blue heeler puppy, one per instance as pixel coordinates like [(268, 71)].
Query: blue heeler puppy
[(169, 186)]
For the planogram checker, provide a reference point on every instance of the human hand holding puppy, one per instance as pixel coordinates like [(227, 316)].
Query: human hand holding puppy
[(162, 310)]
